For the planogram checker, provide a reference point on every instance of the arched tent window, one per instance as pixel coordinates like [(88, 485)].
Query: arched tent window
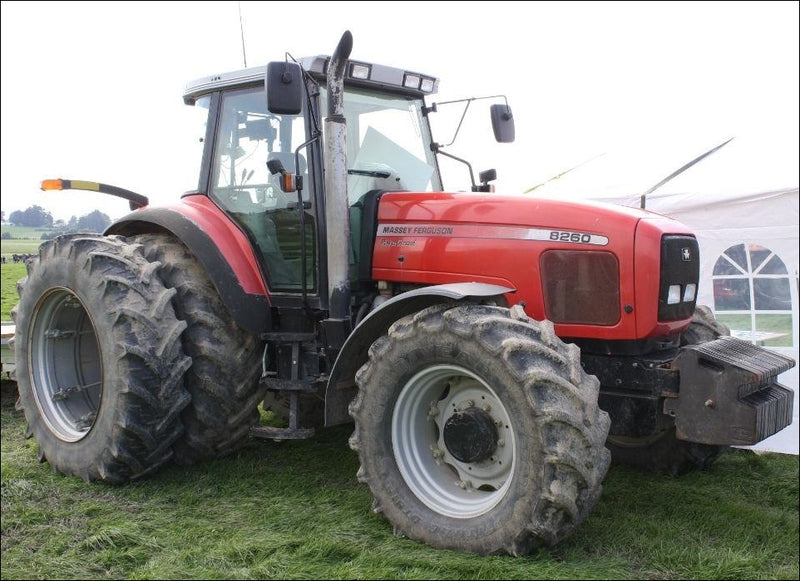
[(752, 295)]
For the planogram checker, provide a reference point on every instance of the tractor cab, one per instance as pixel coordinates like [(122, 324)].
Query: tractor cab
[(263, 159), (388, 143)]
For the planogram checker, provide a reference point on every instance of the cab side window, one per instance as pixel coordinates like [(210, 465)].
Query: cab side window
[(247, 138)]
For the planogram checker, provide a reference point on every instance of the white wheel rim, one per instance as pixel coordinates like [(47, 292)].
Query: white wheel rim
[(444, 484), (65, 366)]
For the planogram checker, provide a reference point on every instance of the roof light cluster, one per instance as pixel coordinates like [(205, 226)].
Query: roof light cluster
[(361, 73), (373, 74), (414, 81)]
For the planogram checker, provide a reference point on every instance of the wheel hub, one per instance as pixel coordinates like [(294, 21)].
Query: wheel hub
[(432, 424), (470, 435)]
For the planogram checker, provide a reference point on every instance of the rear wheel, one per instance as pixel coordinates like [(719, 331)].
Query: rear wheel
[(664, 452), (99, 360), (224, 378), (478, 430)]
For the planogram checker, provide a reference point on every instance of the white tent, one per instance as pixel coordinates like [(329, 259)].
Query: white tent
[(748, 235)]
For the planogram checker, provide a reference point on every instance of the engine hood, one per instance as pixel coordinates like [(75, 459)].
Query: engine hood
[(507, 210), (505, 240)]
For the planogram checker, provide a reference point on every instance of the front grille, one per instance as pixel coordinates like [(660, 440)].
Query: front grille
[(580, 287), (680, 265)]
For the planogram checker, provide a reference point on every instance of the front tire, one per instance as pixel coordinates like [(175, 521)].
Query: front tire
[(99, 360), (478, 430)]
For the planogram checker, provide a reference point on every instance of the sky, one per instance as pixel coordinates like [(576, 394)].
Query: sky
[(93, 90)]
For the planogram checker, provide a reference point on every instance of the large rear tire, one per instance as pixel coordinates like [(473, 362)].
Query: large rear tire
[(663, 452), (99, 359), (478, 430), (224, 378)]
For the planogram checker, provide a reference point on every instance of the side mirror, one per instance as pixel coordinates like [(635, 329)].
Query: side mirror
[(485, 177), (284, 85), (502, 123)]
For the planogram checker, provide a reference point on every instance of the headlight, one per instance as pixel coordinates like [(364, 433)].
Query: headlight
[(674, 294)]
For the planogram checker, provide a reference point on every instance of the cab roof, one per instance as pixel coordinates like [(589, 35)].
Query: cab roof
[(358, 73)]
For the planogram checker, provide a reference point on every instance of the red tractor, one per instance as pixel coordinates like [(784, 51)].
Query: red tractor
[(494, 351)]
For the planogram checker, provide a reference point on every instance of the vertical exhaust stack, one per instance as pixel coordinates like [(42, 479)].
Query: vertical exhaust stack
[(337, 216)]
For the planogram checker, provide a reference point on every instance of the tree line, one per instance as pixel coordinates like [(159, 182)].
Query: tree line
[(38, 217)]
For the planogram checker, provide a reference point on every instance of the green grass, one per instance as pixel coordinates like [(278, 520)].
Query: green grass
[(294, 510), (25, 241), (9, 275), (10, 247), (25, 232), (764, 322)]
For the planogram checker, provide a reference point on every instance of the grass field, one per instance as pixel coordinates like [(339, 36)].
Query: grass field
[(20, 247), (11, 273), (24, 241), (294, 510), (24, 232), (781, 324)]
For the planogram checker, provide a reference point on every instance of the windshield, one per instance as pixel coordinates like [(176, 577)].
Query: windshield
[(388, 144)]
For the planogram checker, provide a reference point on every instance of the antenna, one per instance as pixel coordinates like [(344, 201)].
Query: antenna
[(682, 169), (241, 29), (563, 173)]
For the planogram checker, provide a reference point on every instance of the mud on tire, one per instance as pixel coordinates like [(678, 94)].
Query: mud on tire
[(478, 430), (224, 378), (99, 359)]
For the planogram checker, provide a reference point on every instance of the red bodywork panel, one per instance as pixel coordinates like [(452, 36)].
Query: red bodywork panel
[(230, 240), (436, 238)]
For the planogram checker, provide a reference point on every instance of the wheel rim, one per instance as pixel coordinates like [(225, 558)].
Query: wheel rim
[(65, 366), (445, 484)]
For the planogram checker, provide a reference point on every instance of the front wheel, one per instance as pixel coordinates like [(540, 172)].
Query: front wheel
[(478, 430)]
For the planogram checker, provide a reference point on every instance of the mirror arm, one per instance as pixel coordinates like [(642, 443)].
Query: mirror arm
[(435, 147)]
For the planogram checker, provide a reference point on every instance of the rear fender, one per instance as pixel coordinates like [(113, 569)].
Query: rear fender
[(224, 251), (341, 387)]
